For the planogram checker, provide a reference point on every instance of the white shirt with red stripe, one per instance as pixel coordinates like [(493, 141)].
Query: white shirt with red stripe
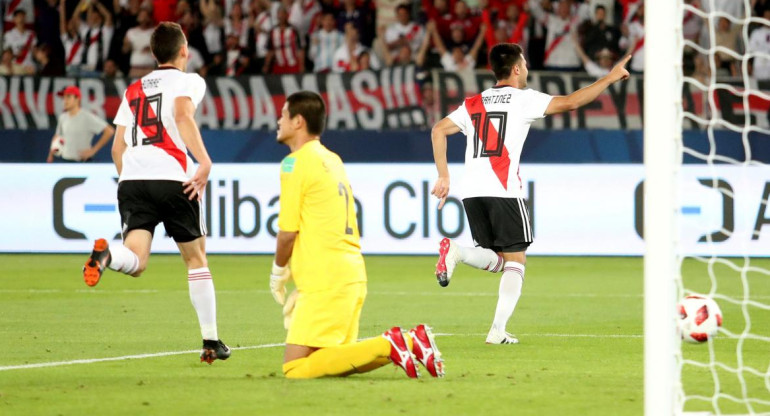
[(412, 32), (301, 15), (155, 148), (636, 32), (559, 50), (496, 123), (22, 44), (11, 6), (286, 43), (73, 49), (90, 38), (262, 27)]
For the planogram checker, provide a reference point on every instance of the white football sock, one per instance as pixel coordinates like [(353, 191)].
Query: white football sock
[(510, 290), (122, 259), (481, 258), (204, 300)]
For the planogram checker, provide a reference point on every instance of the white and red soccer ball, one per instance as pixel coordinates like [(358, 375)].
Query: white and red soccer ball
[(699, 318), (56, 145)]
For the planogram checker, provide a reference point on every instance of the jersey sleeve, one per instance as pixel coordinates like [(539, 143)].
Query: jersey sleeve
[(194, 87), (537, 103), (123, 117), (460, 118), (291, 195)]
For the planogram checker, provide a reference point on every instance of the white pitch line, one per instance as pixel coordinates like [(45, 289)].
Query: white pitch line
[(125, 357), (548, 335), (254, 347), (375, 292)]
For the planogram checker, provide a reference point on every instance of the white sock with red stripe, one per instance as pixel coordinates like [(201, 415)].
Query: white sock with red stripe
[(122, 259), (481, 258), (510, 290), (204, 300)]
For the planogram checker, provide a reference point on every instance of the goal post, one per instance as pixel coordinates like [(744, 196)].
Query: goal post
[(662, 159)]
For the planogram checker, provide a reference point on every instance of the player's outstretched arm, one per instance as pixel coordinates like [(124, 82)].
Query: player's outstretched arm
[(119, 147), (439, 133), (184, 115), (585, 95)]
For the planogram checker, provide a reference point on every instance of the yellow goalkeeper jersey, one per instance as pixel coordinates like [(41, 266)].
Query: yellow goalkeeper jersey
[(317, 203)]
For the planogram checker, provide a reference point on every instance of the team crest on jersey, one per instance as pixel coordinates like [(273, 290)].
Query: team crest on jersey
[(287, 165)]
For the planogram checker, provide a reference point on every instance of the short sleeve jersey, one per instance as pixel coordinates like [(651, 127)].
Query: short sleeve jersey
[(155, 148), (496, 123), (317, 203)]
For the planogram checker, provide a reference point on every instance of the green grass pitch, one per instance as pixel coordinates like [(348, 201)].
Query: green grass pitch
[(579, 321)]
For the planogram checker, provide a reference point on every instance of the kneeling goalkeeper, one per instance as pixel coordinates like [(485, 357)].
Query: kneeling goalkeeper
[(318, 246)]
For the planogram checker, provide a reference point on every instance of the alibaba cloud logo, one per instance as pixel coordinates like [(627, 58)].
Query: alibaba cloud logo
[(79, 206)]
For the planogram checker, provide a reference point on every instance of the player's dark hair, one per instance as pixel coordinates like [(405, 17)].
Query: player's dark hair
[(311, 107), (503, 57), (166, 41), (404, 6), (596, 9)]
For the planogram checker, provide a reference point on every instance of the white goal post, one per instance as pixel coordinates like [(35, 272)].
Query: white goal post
[(662, 159)]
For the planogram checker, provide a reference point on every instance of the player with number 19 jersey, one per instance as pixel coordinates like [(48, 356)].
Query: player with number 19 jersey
[(155, 150), (496, 123)]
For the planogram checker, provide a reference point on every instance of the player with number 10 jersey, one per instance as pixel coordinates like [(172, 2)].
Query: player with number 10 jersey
[(496, 123)]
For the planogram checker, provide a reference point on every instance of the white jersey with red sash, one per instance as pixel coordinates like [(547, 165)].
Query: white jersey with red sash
[(496, 123), (636, 32), (559, 50), (22, 45), (155, 150)]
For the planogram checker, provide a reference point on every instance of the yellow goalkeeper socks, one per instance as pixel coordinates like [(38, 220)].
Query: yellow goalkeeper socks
[(358, 357)]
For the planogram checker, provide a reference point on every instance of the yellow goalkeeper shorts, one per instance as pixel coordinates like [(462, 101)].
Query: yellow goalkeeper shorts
[(327, 318)]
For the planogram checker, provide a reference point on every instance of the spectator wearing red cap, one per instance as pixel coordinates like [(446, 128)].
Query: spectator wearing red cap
[(76, 129)]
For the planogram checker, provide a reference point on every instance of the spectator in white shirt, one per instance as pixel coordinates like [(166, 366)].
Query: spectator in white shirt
[(595, 68), (71, 40), (559, 52), (352, 56), (213, 26), (633, 40), (457, 59), (237, 25), (20, 39), (759, 43), (404, 32), (325, 42), (8, 65), (137, 41), (96, 35)]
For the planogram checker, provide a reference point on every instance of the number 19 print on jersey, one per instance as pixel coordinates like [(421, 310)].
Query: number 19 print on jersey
[(496, 123), (155, 150)]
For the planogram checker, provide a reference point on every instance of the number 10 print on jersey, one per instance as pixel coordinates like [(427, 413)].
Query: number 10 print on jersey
[(496, 123)]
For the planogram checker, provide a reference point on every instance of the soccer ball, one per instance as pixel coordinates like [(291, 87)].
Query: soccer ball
[(699, 318), (56, 145)]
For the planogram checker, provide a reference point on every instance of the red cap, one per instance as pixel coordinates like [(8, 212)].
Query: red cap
[(71, 90)]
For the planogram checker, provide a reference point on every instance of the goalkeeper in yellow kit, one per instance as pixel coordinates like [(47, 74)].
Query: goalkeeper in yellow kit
[(318, 246)]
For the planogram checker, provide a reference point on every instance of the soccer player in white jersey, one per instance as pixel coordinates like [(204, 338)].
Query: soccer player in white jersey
[(158, 180), (496, 123)]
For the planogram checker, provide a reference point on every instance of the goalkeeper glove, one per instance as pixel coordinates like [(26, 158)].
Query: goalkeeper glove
[(288, 308), (279, 276)]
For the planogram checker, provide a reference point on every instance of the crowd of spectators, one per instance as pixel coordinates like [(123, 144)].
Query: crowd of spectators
[(110, 38)]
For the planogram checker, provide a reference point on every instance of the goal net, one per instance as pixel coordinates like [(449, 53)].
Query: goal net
[(707, 220)]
